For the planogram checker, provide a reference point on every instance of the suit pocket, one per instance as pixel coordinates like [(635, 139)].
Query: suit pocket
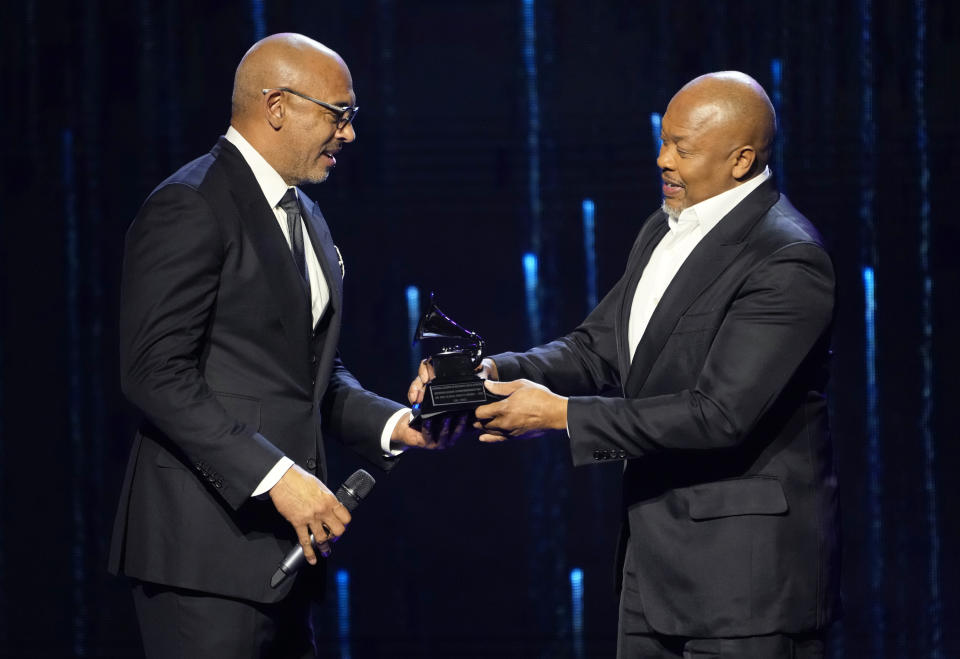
[(755, 495)]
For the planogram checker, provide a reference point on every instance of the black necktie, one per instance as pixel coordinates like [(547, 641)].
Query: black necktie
[(291, 207)]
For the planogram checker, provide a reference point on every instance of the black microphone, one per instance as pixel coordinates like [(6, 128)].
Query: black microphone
[(350, 494)]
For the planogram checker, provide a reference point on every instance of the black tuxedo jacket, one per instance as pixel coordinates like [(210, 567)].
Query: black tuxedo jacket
[(219, 353), (730, 501)]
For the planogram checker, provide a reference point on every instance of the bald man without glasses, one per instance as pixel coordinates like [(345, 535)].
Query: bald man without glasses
[(715, 341), (231, 306)]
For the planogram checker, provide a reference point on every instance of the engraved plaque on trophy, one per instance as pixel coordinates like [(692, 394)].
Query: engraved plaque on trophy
[(455, 354)]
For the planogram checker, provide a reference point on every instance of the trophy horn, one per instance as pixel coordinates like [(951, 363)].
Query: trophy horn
[(435, 324)]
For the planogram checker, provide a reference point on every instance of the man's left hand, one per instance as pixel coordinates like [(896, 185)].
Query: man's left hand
[(439, 433), (529, 410)]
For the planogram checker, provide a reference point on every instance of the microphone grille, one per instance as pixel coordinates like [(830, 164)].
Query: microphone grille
[(357, 486)]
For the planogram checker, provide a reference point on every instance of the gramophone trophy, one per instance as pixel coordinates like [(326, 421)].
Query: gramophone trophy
[(457, 353)]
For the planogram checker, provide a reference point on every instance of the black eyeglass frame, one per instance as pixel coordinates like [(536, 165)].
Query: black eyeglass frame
[(345, 114)]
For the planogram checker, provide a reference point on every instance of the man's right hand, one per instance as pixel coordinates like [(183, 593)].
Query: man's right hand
[(310, 507)]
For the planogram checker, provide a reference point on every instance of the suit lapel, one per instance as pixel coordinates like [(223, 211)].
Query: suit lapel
[(329, 260), (651, 233), (714, 253), (268, 242), (323, 246)]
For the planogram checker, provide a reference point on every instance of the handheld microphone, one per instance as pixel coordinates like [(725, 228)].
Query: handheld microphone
[(350, 494)]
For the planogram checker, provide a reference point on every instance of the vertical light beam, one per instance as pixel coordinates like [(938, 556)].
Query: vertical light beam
[(530, 260), (75, 397), (413, 319), (934, 607), (776, 75), (576, 608), (259, 22), (590, 253), (531, 288), (868, 182), (533, 120), (874, 463), (343, 613), (656, 129)]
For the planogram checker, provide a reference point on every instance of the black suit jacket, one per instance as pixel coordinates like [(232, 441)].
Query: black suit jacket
[(730, 499), (219, 353)]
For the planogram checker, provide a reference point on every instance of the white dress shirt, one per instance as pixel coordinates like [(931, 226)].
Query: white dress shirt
[(274, 187), (686, 231)]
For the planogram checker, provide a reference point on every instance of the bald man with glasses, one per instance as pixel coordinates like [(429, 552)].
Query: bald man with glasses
[(230, 316)]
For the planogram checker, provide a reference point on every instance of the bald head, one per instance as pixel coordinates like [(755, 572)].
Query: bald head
[(282, 60), (735, 104), (717, 134), (289, 96)]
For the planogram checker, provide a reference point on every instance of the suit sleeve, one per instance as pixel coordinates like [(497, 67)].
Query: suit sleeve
[(781, 313), (351, 414), (171, 271), (355, 416), (582, 363)]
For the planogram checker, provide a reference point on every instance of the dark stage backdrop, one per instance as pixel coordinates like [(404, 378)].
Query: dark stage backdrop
[(485, 126)]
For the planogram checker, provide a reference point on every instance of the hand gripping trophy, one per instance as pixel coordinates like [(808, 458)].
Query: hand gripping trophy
[(457, 353)]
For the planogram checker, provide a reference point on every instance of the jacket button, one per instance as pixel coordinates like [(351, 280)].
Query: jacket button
[(311, 463), (597, 454)]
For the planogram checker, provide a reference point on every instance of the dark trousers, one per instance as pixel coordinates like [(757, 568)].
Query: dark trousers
[(637, 640), (774, 646), (182, 624)]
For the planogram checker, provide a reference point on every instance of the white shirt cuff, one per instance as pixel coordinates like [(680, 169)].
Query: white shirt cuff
[(388, 427), (273, 476)]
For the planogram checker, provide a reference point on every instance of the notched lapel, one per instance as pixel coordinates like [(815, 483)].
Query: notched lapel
[(714, 253), (269, 244), (701, 268)]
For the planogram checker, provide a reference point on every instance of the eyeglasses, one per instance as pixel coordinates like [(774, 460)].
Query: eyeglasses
[(345, 115)]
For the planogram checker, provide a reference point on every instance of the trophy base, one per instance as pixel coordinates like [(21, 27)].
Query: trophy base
[(452, 397)]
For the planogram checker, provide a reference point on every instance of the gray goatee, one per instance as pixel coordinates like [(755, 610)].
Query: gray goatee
[(671, 212)]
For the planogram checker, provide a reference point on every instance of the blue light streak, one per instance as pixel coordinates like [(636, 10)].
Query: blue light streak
[(868, 184), (533, 119), (75, 396), (776, 75), (343, 613), (259, 22), (934, 607), (874, 462), (656, 129), (530, 260), (590, 252), (413, 319), (576, 602), (531, 289)]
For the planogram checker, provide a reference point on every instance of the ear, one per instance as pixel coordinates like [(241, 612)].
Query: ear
[(274, 110), (744, 159)]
